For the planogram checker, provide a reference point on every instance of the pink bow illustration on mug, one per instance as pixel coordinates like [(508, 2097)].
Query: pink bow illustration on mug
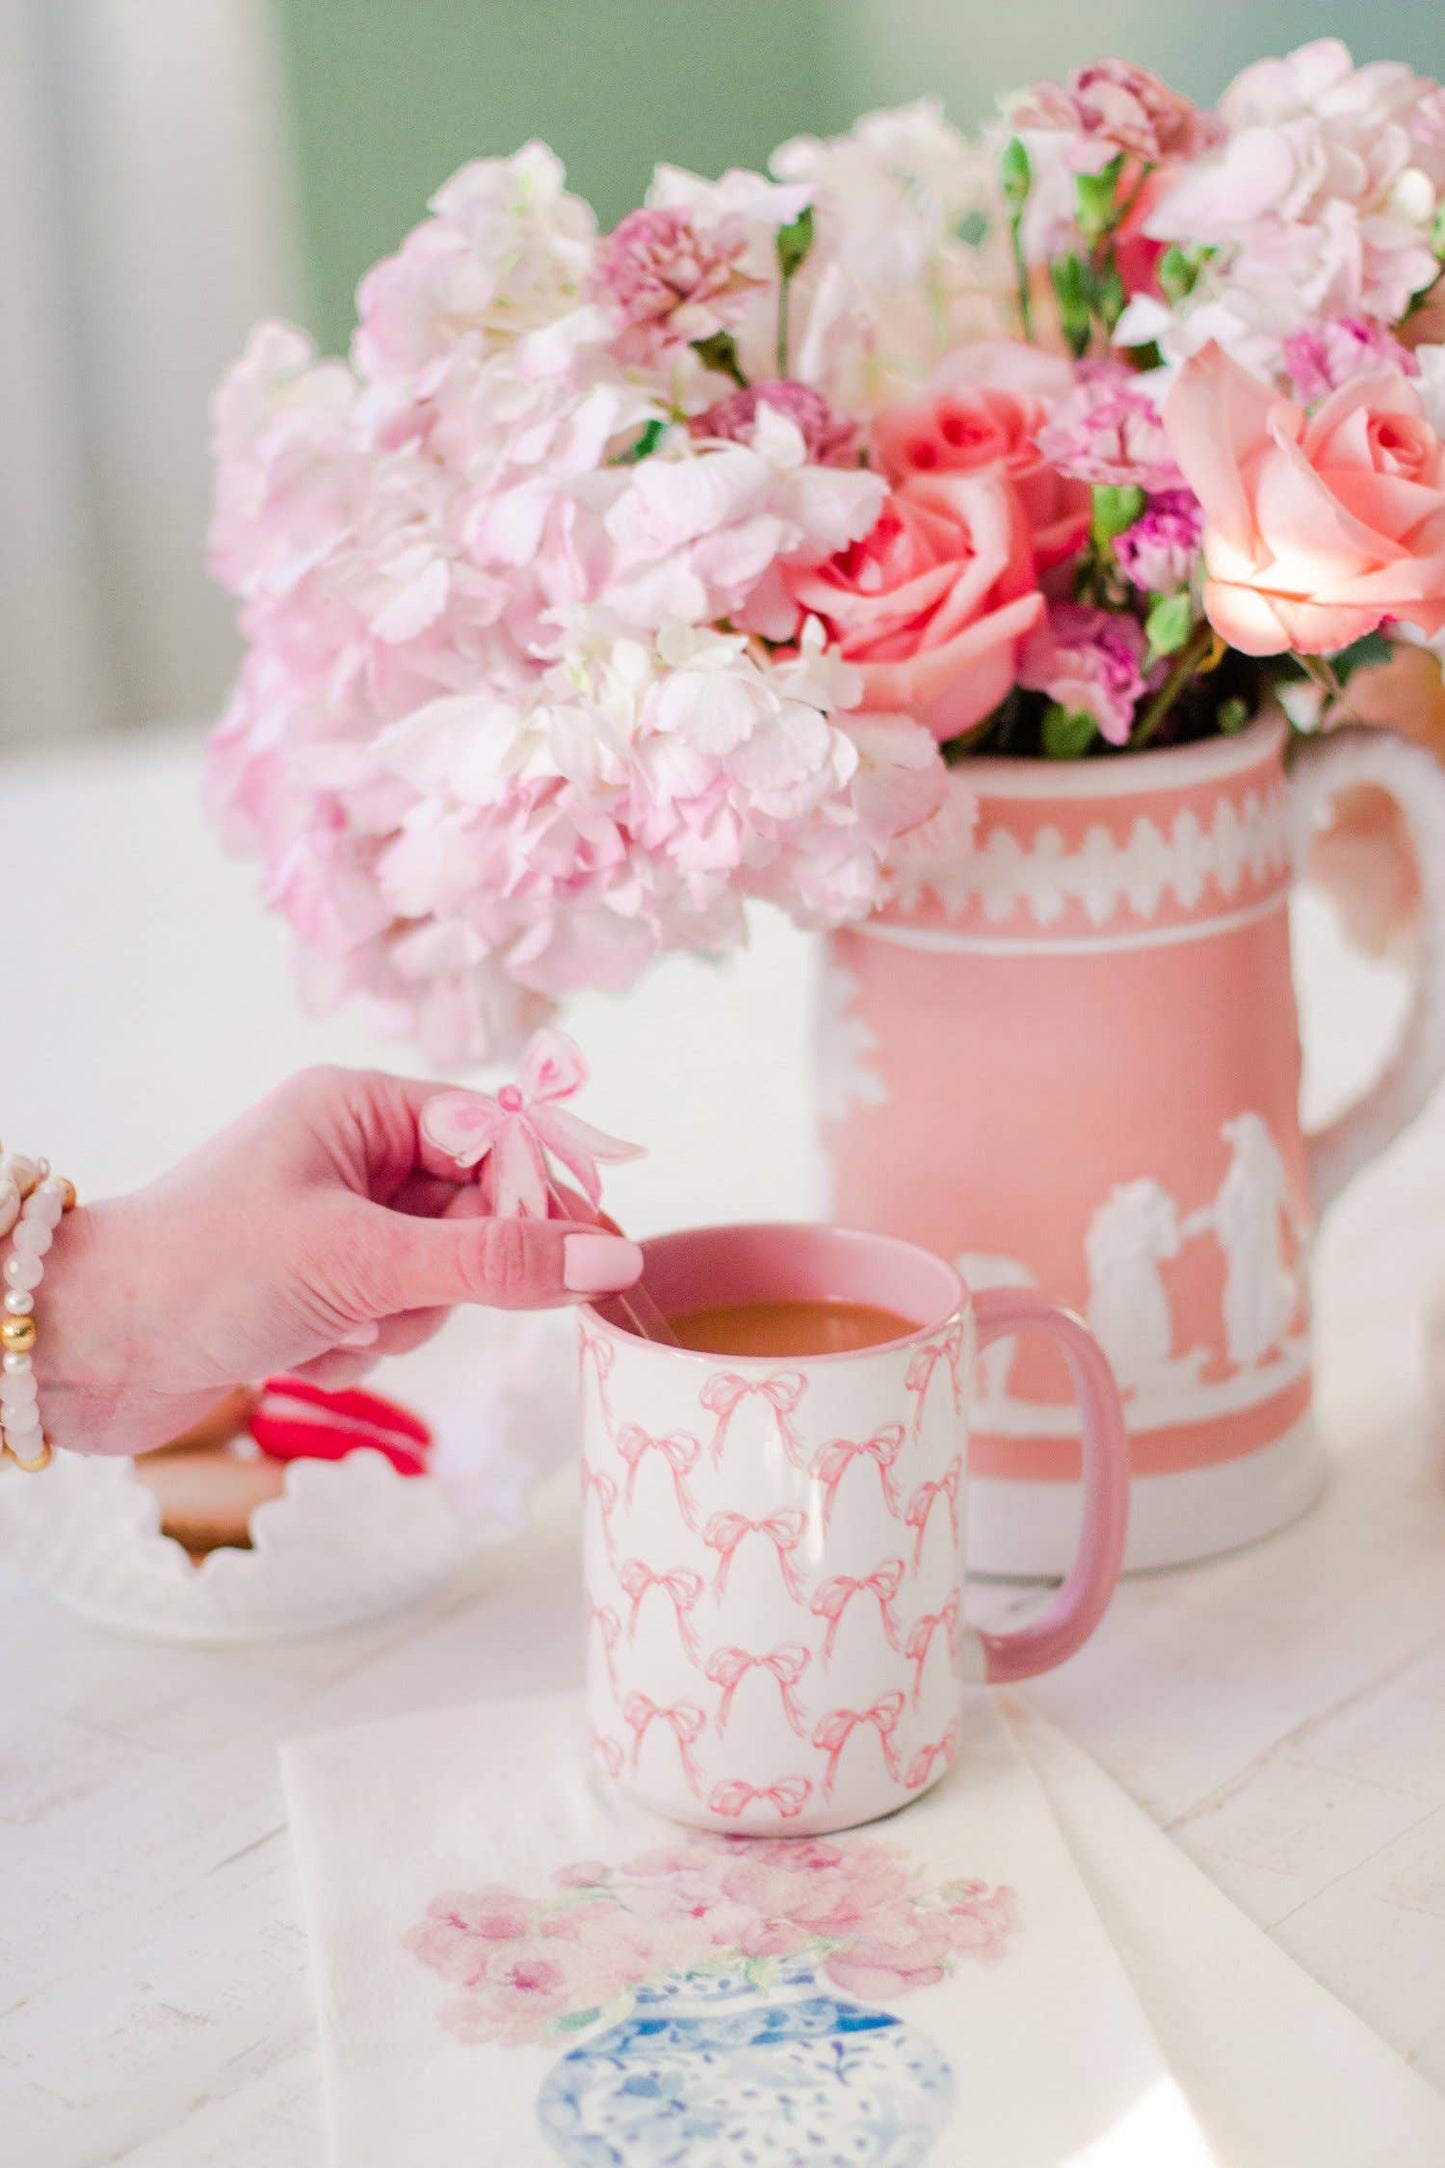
[(682, 1718), (678, 1450), (728, 1668), (730, 1798), (725, 1531), (921, 1504), (832, 1461), (837, 1728), (920, 1639), (922, 1366), (929, 1758), (681, 1588), (833, 1598), (512, 1137), (724, 1394), (597, 1483)]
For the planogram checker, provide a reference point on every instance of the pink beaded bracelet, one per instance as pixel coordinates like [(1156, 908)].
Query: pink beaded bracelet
[(32, 1200)]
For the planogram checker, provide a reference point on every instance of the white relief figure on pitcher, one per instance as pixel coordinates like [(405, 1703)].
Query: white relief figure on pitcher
[(1135, 1232), (1253, 1213)]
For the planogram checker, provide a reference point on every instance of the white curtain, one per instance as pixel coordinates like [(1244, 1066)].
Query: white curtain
[(146, 219)]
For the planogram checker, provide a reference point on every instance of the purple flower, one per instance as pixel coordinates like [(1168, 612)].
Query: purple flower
[(831, 439), (1109, 429), (1324, 356), (1158, 552), (1089, 661)]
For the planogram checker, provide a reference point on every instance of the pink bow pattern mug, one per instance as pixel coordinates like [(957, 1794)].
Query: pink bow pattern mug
[(774, 1544)]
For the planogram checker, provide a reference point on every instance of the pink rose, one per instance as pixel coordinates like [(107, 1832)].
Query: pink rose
[(1317, 529), (987, 429), (1091, 662), (933, 604), (893, 1952)]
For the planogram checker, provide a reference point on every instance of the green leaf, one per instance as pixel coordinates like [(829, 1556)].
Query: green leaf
[(1072, 285), (1176, 273), (759, 1972), (1232, 715), (1066, 736), (1110, 299), (1437, 232), (1016, 175), (720, 352), (1169, 621), (1372, 648), (1115, 508), (973, 229), (644, 446), (575, 2020), (794, 242), (1094, 195)]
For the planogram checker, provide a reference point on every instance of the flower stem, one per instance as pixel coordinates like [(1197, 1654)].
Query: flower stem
[(1185, 663), (1021, 270)]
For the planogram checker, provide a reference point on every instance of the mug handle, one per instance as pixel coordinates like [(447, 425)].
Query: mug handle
[(1082, 1600), (1415, 780)]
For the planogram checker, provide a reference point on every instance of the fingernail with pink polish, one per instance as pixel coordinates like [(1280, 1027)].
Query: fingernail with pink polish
[(599, 1264)]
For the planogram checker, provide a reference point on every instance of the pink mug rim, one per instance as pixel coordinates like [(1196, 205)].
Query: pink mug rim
[(906, 1258)]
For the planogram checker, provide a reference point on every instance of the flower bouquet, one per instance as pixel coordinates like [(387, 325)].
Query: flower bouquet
[(620, 579)]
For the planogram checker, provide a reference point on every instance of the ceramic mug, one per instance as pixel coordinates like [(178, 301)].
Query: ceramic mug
[(774, 1545)]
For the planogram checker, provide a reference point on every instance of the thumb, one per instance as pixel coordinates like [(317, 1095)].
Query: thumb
[(408, 1263)]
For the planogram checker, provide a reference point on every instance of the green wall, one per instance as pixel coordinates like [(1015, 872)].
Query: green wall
[(390, 95)]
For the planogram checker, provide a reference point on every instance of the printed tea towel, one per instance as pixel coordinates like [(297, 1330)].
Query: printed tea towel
[(514, 1967)]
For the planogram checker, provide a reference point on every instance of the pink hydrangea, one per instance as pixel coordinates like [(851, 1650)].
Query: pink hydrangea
[(671, 283), (1323, 356), (1159, 552), (1091, 662), (460, 1935), (893, 1950), (830, 439), (1108, 429), (1112, 106)]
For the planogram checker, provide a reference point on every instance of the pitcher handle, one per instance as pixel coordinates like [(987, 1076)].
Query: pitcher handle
[(1090, 1582), (1416, 782)]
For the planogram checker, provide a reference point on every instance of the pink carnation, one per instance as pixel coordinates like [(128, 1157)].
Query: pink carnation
[(1158, 553), (830, 439), (671, 283), (1323, 356), (1109, 430), (1091, 662), (1114, 105)]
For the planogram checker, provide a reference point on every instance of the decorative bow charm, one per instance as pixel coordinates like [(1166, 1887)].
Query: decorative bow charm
[(838, 1727), (832, 1461), (609, 1629), (832, 1600), (920, 1506), (602, 1487), (682, 1718), (728, 1668), (725, 1393), (725, 1531), (925, 1361), (679, 1449), (789, 1795), (928, 1758), (920, 1639), (682, 1589), (511, 1138)]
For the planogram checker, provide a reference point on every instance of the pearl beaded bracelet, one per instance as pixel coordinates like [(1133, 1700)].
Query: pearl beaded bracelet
[(32, 1200)]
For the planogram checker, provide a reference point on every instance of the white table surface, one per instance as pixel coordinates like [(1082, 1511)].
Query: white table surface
[(1281, 1712)]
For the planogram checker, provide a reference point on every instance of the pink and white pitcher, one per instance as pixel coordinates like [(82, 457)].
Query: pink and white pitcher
[(1075, 1063)]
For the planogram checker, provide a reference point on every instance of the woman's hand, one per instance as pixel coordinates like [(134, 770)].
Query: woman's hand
[(314, 1235)]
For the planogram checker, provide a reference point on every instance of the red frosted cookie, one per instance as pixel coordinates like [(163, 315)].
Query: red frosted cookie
[(294, 1420)]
